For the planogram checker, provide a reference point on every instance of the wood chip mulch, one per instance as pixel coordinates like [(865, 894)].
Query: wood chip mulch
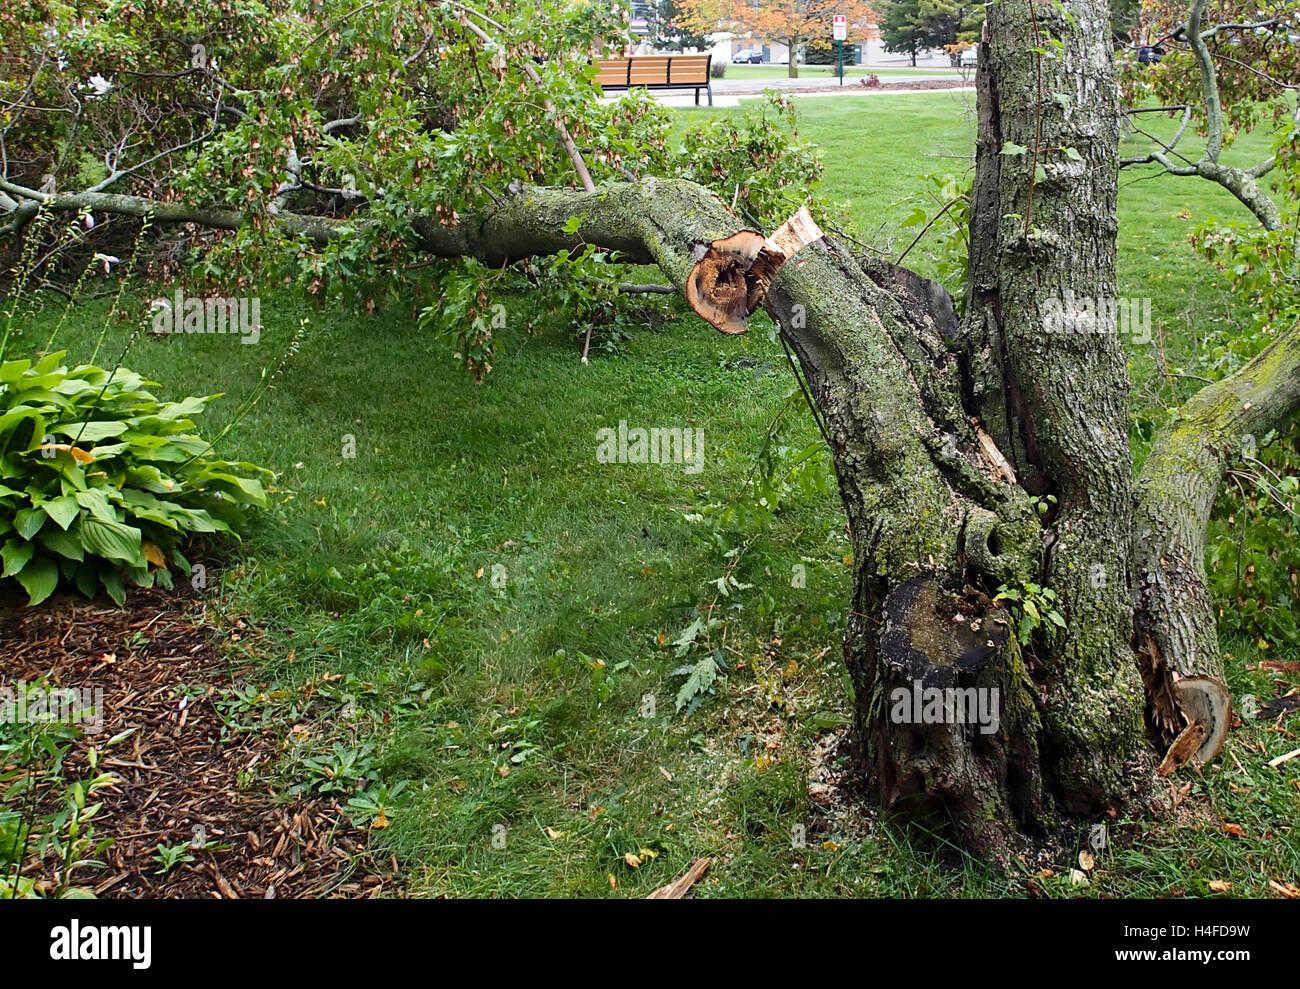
[(175, 772)]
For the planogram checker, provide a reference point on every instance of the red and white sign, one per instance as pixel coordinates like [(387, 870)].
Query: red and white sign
[(841, 25)]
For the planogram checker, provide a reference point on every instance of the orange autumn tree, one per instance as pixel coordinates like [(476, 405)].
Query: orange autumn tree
[(789, 22)]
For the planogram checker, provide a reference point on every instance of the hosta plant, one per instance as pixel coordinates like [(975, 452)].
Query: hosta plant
[(101, 482)]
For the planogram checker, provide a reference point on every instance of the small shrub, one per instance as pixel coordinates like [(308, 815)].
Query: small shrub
[(100, 482)]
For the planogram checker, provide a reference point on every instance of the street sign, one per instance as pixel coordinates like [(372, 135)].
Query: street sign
[(841, 26)]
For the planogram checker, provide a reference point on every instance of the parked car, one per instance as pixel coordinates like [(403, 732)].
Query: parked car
[(751, 56)]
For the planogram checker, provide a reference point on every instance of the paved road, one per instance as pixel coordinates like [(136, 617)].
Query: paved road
[(729, 92), (952, 76), (822, 87)]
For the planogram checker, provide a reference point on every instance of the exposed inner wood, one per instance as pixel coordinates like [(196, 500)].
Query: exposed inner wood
[(1205, 702), (732, 275), (931, 634)]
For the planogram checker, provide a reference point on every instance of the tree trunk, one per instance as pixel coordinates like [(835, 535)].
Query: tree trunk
[(1055, 405)]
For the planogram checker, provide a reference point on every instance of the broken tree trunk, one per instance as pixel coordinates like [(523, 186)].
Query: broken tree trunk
[(1175, 637), (962, 727), (732, 275)]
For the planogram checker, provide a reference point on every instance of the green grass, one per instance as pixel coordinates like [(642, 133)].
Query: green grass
[(523, 707)]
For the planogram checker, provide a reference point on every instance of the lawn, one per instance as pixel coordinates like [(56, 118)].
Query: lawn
[(501, 608)]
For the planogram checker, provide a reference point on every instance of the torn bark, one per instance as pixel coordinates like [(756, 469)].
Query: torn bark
[(962, 730)]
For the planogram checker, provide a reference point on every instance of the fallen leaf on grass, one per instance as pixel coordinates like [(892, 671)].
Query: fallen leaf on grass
[(1235, 830), (1286, 889), (1219, 886)]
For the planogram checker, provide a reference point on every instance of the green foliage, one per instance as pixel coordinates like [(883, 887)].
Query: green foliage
[(828, 53), (1253, 66), (43, 813), (699, 681), (582, 287), (1263, 263), (169, 857), (465, 314), (913, 26), (945, 219), (100, 482), (1252, 550), (788, 467), (1033, 606), (1252, 557), (757, 160)]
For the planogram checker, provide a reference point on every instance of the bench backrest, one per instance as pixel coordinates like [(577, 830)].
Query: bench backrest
[(654, 70)]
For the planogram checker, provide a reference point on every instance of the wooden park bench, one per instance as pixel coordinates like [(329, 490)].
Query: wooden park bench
[(658, 72)]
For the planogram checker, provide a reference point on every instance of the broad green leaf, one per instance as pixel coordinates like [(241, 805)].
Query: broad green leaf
[(112, 541), (39, 578), (112, 581), (700, 680), (66, 544), (90, 432), (95, 500), (15, 555), (63, 510), (684, 641), (28, 522)]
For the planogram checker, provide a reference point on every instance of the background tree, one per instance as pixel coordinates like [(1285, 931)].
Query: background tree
[(670, 31), (1227, 66), (788, 22), (913, 26)]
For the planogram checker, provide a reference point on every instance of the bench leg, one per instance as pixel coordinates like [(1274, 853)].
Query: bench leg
[(697, 95)]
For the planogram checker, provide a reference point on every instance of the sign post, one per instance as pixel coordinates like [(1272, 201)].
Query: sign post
[(840, 23)]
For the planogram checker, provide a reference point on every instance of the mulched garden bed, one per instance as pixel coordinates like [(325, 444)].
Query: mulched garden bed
[(175, 772)]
